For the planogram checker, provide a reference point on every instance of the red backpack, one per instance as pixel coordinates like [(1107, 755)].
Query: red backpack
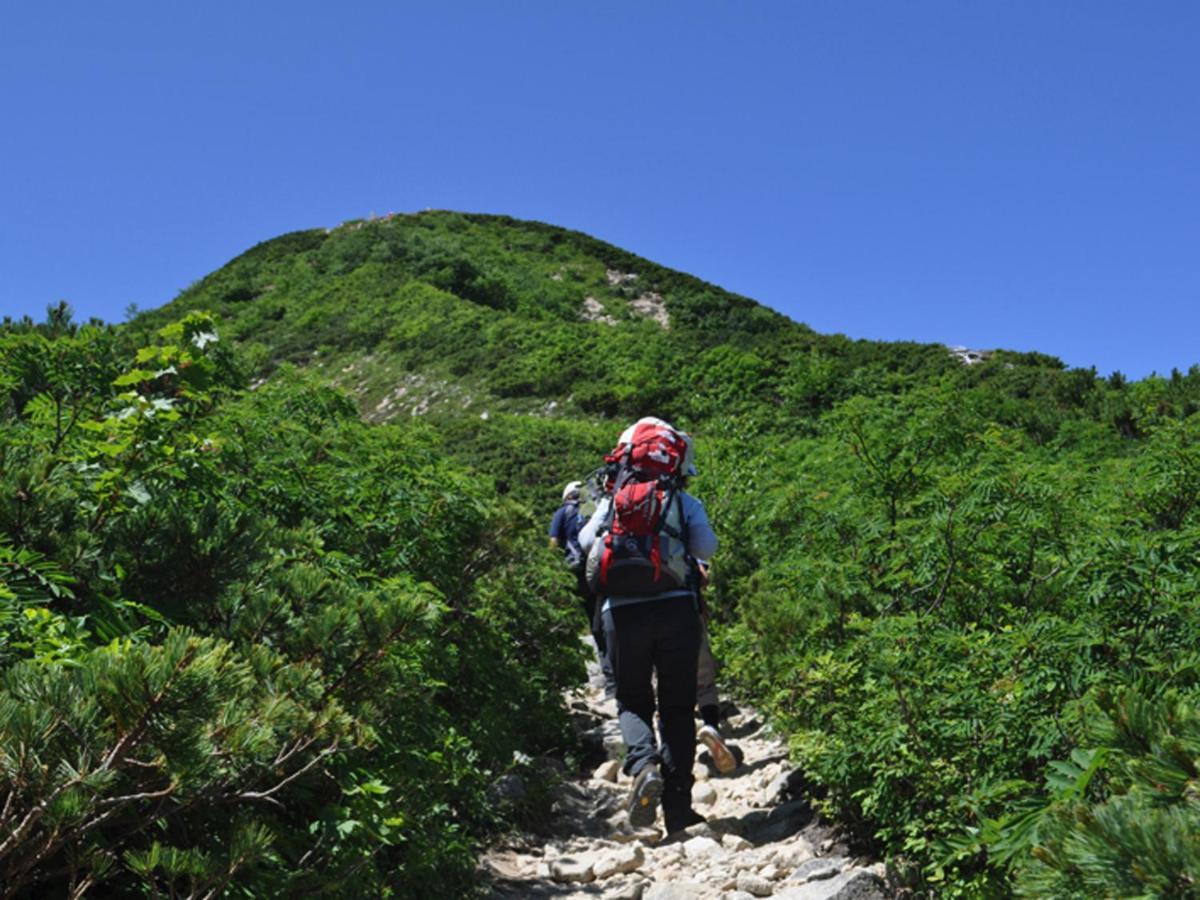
[(645, 551)]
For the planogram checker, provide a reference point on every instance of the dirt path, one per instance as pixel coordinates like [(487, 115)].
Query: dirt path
[(762, 838)]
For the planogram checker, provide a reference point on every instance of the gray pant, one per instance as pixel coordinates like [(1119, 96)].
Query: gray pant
[(706, 672)]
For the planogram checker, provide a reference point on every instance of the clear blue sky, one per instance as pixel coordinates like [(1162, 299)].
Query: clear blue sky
[(1013, 174)]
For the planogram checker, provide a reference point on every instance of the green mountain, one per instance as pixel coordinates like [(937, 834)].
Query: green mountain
[(272, 570), (485, 314), (472, 317)]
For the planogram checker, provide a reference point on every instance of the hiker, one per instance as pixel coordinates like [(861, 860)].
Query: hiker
[(564, 533), (641, 543), (565, 525)]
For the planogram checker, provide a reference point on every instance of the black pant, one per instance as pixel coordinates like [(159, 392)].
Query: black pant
[(663, 637)]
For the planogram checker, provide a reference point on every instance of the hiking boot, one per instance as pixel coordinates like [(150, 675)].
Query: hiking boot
[(722, 758), (643, 799), (677, 822)]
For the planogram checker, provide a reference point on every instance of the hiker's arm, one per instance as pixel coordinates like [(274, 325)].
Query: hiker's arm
[(587, 534), (702, 541)]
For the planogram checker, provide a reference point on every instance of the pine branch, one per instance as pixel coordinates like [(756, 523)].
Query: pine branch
[(269, 794)]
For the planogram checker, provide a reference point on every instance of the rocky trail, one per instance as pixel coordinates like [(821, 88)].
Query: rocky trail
[(762, 838)]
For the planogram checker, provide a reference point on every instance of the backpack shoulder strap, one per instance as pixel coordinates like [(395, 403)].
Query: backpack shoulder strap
[(674, 498)]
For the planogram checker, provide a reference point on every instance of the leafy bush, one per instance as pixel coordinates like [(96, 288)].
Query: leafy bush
[(248, 642)]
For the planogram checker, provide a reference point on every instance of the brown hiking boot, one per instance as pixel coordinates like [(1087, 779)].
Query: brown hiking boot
[(722, 758)]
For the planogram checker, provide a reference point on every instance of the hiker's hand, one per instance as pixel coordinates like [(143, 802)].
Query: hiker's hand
[(705, 580)]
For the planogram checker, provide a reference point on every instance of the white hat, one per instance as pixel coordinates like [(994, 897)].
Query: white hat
[(571, 491)]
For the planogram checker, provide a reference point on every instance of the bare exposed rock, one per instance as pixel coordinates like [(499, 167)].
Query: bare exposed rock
[(736, 843), (608, 771), (720, 877), (507, 864), (679, 890), (789, 784), (702, 848), (621, 861), (616, 277), (755, 884), (631, 889), (620, 831), (509, 789), (853, 884), (795, 852), (969, 357), (652, 306), (704, 794), (568, 869), (779, 824), (818, 869), (593, 311)]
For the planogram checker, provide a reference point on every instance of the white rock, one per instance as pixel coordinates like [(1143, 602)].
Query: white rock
[(625, 890), (607, 771), (702, 848), (786, 785), (665, 856), (619, 862), (704, 794), (744, 862), (853, 884), (620, 831), (677, 890), (754, 884), (728, 882), (702, 829), (700, 772), (736, 843), (817, 869), (792, 854), (566, 869), (770, 872), (652, 306)]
